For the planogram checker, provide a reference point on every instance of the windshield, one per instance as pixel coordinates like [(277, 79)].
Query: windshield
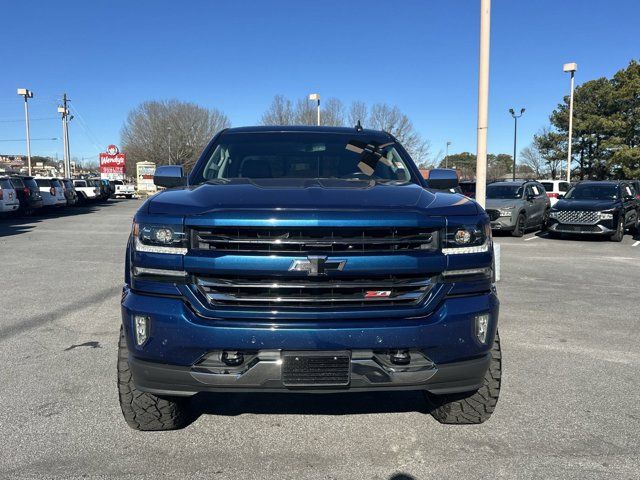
[(303, 155), (593, 192), (504, 191)]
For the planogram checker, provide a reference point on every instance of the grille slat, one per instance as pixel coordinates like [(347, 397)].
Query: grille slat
[(313, 240), (320, 292), (577, 217)]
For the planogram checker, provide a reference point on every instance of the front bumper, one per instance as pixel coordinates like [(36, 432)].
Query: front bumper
[(504, 223), (446, 356), (604, 228)]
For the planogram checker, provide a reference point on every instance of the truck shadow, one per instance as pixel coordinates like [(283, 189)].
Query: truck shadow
[(12, 224), (233, 404)]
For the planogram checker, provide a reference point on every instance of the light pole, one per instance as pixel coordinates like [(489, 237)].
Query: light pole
[(570, 67), (316, 96), (483, 101), (446, 157), (515, 137), (26, 93), (169, 138)]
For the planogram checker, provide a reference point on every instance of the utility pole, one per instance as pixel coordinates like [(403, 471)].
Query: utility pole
[(515, 137), (483, 102), (570, 67), (64, 111), (27, 94)]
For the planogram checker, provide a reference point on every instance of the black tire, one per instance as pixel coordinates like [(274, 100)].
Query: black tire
[(619, 235), (545, 221), (518, 231), (145, 411), (469, 408)]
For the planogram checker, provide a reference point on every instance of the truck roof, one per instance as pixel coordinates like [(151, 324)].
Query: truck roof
[(309, 129)]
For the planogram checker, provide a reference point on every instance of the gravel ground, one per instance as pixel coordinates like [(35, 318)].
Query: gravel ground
[(569, 407)]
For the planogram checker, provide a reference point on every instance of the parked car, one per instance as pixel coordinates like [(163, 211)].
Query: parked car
[(555, 189), (124, 189), (8, 199), (28, 194), (69, 192), (372, 281), (51, 192), (597, 208), (468, 188), (86, 190), (516, 206), (105, 191), (636, 187)]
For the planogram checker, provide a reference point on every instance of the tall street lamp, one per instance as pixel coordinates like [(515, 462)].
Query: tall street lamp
[(316, 97), (571, 68), (446, 157), (515, 137), (27, 94)]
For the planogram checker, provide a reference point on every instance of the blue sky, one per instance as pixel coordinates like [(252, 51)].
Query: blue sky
[(236, 55)]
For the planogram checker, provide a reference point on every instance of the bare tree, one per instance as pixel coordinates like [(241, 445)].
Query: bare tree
[(280, 112), (169, 132), (305, 113), (332, 113), (392, 120), (358, 112), (531, 158)]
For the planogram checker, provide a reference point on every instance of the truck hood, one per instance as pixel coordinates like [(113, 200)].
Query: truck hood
[(588, 205), (286, 194)]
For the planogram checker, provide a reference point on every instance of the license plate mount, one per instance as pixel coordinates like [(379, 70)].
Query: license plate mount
[(316, 369)]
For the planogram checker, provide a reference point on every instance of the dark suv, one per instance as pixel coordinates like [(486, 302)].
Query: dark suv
[(597, 208), (28, 193), (307, 259)]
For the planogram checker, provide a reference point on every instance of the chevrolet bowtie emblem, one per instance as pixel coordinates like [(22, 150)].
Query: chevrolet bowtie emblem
[(316, 265)]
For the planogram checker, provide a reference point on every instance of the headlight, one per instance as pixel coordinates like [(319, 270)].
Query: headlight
[(606, 215), (467, 239), (506, 211), (160, 239)]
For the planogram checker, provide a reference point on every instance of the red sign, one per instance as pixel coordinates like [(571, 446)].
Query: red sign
[(112, 161)]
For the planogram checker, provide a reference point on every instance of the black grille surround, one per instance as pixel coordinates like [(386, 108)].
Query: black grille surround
[(314, 292), (313, 240), (493, 214)]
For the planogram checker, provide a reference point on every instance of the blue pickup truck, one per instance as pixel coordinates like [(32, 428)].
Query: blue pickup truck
[(307, 259)]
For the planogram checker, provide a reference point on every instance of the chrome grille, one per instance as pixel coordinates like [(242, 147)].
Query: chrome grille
[(313, 240), (579, 217), (317, 292)]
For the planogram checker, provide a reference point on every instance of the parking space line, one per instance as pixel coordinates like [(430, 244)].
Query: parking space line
[(635, 244), (531, 238)]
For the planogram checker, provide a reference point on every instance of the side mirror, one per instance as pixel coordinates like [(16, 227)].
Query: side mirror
[(169, 176), (442, 179)]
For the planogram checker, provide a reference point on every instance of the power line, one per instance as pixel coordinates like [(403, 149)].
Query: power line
[(84, 126), (23, 139), (21, 120)]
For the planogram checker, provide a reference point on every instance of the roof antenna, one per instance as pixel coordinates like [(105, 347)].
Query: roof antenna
[(358, 126)]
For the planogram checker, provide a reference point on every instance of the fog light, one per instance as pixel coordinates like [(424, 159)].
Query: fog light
[(232, 359), (141, 325), (482, 325), (400, 357)]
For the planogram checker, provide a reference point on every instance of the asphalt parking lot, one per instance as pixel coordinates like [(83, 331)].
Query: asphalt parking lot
[(569, 406)]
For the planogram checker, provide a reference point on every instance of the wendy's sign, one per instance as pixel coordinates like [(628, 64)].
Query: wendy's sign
[(112, 164)]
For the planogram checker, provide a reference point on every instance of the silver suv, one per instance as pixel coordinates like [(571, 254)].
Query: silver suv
[(516, 206)]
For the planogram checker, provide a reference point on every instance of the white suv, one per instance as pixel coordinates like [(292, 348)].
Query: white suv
[(555, 188), (8, 198), (51, 191)]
